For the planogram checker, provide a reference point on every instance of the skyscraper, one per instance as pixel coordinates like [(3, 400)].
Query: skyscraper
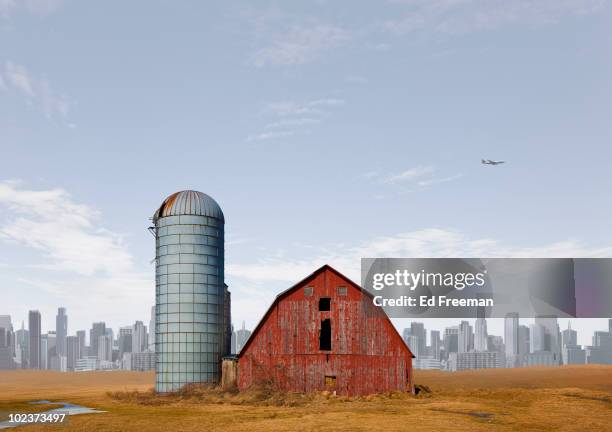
[(105, 348), (511, 324), (139, 337), (417, 329), (72, 352), (413, 344), (125, 340), (524, 339), (552, 336), (451, 340), (61, 331), (34, 333), (481, 337), (537, 338), (569, 337), (51, 360), (7, 343), (465, 338), (22, 346), (81, 336), (434, 335), (97, 329)]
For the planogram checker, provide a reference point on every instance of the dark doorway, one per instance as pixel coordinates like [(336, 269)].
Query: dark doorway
[(324, 304), (325, 335)]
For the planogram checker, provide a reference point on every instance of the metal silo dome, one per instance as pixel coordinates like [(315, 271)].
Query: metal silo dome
[(189, 202), (190, 290)]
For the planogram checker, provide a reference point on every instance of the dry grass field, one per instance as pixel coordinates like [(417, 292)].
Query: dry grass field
[(575, 398)]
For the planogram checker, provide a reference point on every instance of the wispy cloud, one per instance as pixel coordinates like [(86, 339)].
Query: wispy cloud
[(408, 175), (67, 233), (290, 118), (292, 122), (433, 181), (264, 136), (430, 242), (299, 44), (40, 7), (315, 107), (464, 16), (74, 256), (418, 177), (36, 91)]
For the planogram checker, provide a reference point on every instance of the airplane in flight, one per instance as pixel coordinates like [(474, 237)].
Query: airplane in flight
[(491, 162)]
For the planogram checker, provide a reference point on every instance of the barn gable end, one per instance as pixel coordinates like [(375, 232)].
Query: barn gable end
[(325, 333)]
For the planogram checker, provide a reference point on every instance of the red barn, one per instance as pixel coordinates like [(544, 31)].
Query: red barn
[(324, 333)]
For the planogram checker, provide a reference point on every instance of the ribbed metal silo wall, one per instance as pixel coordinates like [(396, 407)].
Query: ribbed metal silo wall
[(189, 300)]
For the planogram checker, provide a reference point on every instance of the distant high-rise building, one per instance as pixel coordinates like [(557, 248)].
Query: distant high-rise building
[(142, 361), (511, 324), (72, 352), (139, 337), (51, 362), (573, 354), (44, 352), (105, 348), (82, 336), (537, 339), (125, 340), (97, 329), (569, 337), (413, 344), (496, 344), (22, 346), (7, 343), (465, 337), (450, 340), (474, 360), (481, 336), (61, 331), (418, 329), (552, 336), (601, 350), (523, 340), (35, 339), (242, 336), (152, 331), (434, 336)]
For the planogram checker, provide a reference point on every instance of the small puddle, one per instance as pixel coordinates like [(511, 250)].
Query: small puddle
[(64, 407)]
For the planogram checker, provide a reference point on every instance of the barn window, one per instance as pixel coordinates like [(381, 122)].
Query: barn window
[(325, 335), (330, 380), (342, 290), (324, 304), (308, 291)]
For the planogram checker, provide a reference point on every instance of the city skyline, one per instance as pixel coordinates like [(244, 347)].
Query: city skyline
[(327, 132), (109, 347)]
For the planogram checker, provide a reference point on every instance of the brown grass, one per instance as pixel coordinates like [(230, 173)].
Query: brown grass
[(540, 399)]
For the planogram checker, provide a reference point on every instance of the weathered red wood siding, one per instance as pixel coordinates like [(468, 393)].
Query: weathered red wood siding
[(367, 354)]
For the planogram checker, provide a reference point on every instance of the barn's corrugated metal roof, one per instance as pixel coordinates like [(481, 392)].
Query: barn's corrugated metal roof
[(189, 202)]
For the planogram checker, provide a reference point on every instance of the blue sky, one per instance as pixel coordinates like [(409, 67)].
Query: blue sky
[(326, 130)]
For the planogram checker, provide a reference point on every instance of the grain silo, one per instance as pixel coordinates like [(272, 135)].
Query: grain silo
[(190, 290)]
